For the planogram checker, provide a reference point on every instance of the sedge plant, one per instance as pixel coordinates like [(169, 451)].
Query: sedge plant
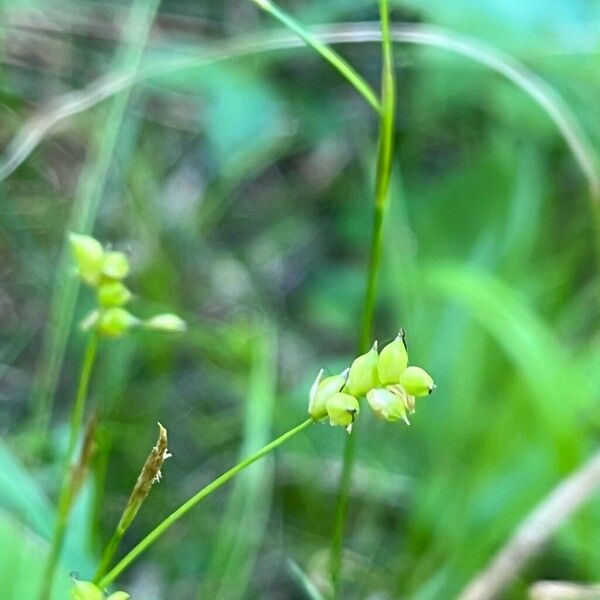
[(384, 379), (389, 386), (103, 270)]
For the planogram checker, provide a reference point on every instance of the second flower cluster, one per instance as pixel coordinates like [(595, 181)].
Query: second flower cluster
[(385, 378), (104, 270)]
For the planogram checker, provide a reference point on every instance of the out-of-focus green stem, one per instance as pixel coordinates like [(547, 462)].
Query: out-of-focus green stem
[(90, 186), (382, 184), (67, 487), (187, 506), (331, 56)]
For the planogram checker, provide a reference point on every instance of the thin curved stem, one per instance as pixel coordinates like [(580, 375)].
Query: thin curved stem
[(108, 554), (193, 501), (82, 389), (331, 56), (67, 492), (62, 107), (382, 185)]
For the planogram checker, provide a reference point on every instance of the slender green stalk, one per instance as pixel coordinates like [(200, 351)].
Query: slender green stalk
[(382, 185), (191, 503), (331, 56), (108, 554), (67, 491), (244, 519)]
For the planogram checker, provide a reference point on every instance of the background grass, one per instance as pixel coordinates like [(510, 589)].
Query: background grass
[(243, 192)]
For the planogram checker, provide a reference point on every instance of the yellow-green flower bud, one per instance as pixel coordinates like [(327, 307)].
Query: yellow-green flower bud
[(119, 596), (388, 404), (115, 265), (89, 255), (86, 590), (114, 322), (392, 361), (113, 293), (342, 410), (409, 401), (321, 390), (363, 373), (416, 381), (90, 320), (167, 322)]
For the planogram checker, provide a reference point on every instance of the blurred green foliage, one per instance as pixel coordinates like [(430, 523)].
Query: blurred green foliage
[(243, 192)]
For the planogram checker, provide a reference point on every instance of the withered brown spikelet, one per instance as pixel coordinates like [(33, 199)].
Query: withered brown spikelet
[(149, 475)]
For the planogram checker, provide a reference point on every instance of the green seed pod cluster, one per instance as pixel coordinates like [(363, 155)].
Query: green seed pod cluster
[(385, 378), (105, 270)]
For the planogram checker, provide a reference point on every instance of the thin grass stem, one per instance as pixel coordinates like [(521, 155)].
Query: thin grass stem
[(331, 56), (37, 127), (67, 491), (382, 185), (162, 527), (108, 554)]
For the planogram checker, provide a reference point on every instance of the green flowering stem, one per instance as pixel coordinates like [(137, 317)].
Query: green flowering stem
[(384, 170), (191, 503), (67, 491), (384, 167), (331, 56)]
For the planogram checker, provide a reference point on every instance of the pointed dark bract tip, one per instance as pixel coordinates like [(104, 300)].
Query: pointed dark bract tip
[(402, 336)]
